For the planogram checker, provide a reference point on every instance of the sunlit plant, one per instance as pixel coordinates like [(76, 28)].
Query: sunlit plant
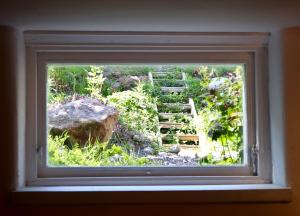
[(95, 82)]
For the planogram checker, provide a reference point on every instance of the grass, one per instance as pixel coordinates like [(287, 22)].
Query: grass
[(91, 154)]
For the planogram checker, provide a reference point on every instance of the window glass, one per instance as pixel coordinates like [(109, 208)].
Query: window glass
[(145, 115)]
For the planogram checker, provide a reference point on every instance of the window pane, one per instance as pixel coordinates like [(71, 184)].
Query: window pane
[(145, 115)]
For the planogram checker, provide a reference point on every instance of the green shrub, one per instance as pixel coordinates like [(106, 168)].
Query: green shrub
[(173, 108), (115, 71), (170, 75), (68, 79), (220, 111), (59, 154), (136, 109), (151, 90), (173, 98), (171, 138), (92, 154), (95, 82), (169, 83)]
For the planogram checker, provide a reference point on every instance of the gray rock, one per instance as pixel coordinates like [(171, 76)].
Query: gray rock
[(137, 137), (167, 163), (170, 159), (162, 154), (147, 151), (83, 119), (116, 158), (174, 149), (128, 82), (218, 82), (116, 85)]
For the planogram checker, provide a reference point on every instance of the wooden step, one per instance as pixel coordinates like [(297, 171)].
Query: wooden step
[(170, 115), (183, 106), (189, 137), (170, 125), (165, 72), (172, 89), (162, 74), (184, 147), (183, 137), (164, 83), (177, 80)]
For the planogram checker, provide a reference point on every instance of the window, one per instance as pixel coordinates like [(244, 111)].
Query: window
[(145, 115), (50, 53)]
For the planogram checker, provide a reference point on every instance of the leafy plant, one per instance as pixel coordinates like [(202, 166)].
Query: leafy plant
[(59, 154), (136, 109), (151, 90), (171, 108), (67, 79), (169, 83), (219, 107), (95, 82), (115, 71), (92, 154), (223, 114), (173, 98), (171, 138), (169, 75), (138, 122)]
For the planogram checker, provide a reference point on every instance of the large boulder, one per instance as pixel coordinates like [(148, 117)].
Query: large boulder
[(127, 82), (82, 119)]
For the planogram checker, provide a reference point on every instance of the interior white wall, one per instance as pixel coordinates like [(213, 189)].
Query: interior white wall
[(154, 15), (171, 15)]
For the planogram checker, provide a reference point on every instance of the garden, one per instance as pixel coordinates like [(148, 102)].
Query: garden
[(145, 115)]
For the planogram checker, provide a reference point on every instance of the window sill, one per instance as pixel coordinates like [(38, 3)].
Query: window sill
[(152, 194)]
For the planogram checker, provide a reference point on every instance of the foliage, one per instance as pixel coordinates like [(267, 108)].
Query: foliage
[(169, 75), (137, 110), (215, 89), (171, 108), (107, 88), (221, 108), (56, 98), (171, 137), (92, 154), (66, 80), (60, 154), (173, 98), (137, 117), (95, 82), (115, 71), (189, 126), (169, 83), (151, 90)]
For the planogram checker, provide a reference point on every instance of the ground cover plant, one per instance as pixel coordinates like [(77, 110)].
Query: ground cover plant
[(216, 90)]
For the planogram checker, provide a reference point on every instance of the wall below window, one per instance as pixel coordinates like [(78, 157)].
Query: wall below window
[(267, 16)]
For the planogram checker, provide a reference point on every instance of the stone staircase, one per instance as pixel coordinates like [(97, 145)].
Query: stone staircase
[(186, 110)]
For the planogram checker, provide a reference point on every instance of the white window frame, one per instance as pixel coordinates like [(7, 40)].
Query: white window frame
[(137, 47)]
